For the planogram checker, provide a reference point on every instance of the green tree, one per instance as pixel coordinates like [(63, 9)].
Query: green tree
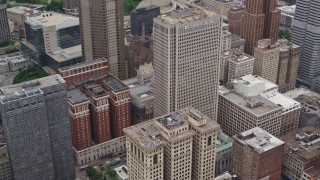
[(285, 34)]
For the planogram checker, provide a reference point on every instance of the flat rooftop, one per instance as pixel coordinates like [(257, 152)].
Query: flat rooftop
[(251, 80), (29, 88), (295, 140), (173, 120), (145, 134), (84, 64), (206, 124), (287, 103), (66, 54), (259, 139), (96, 90), (314, 171), (122, 172), (239, 58), (266, 107), (75, 96), (46, 19), (22, 10), (114, 83)]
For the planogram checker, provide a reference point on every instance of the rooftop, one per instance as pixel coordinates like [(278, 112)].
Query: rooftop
[(258, 139), (22, 10), (303, 143), (114, 83), (29, 88), (252, 80), (240, 57), (122, 172), (96, 90), (223, 141), (47, 19), (75, 96), (199, 121), (144, 9), (314, 171), (84, 64), (287, 103), (287, 9), (61, 55), (173, 120)]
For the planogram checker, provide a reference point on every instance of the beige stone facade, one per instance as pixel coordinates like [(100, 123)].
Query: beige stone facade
[(177, 146), (266, 60), (186, 61), (240, 64)]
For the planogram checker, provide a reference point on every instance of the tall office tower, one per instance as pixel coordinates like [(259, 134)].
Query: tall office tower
[(240, 64), (102, 33), (37, 128), (79, 119), (52, 39), (234, 19), (288, 65), (71, 6), (261, 20), (266, 60), (257, 155), (257, 99), (180, 145), (186, 61), (306, 34), (4, 26), (301, 153), (119, 101), (143, 18), (99, 112)]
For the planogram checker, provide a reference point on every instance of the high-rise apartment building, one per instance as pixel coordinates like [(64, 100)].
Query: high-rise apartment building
[(186, 61), (288, 65), (52, 39), (261, 20), (4, 26), (180, 145), (102, 33), (143, 18), (240, 64), (71, 6), (254, 101), (266, 60), (306, 34), (79, 119), (235, 15), (301, 153), (36, 124), (257, 155)]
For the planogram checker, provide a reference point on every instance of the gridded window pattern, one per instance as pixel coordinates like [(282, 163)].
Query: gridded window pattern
[(68, 37)]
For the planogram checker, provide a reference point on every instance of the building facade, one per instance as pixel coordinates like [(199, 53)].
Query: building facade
[(306, 35), (5, 167), (18, 15), (163, 148), (266, 60), (240, 64), (221, 6), (185, 77), (52, 39), (261, 21), (301, 153), (71, 7), (235, 15), (287, 15), (143, 18), (288, 65), (79, 119), (223, 153), (4, 26), (40, 109), (257, 155), (83, 71), (102, 33)]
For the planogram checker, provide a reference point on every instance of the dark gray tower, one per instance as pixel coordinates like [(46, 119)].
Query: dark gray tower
[(4, 25)]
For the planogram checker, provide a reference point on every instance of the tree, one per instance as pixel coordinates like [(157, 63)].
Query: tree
[(3, 1), (285, 34)]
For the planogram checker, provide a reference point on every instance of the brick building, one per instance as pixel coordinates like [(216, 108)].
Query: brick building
[(235, 15), (83, 71), (257, 155), (79, 119)]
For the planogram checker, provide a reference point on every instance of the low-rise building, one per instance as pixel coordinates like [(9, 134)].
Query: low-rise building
[(313, 173), (257, 155), (113, 148), (240, 64), (15, 62), (301, 153), (122, 172), (18, 14), (287, 15), (223, 153)]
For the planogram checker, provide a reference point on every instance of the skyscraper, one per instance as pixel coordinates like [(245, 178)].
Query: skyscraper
[(37, 129), (4, 25), (102, 33), (306, 34), (261, 21), (186, 61)]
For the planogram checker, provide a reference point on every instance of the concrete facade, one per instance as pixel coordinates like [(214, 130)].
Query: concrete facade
[(4, 26), (35, 113), (5, 167)]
